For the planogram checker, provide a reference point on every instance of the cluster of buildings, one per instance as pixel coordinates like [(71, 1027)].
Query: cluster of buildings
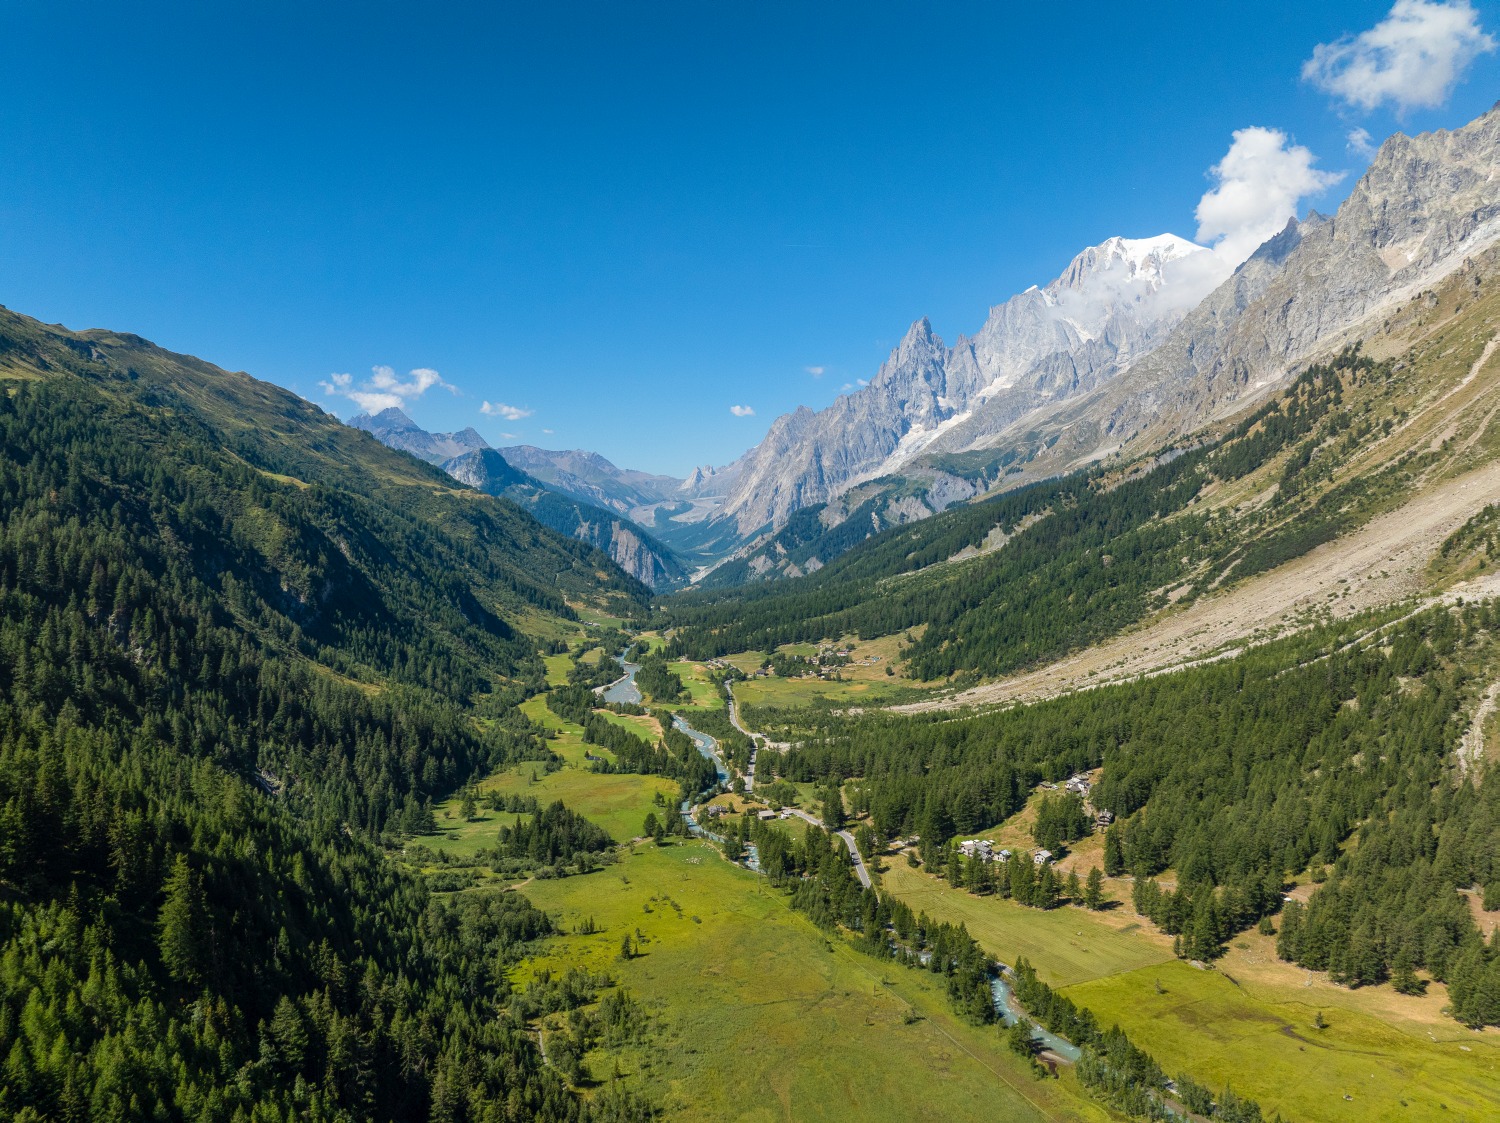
[(1080, 783), (767, 815), (984, 850)]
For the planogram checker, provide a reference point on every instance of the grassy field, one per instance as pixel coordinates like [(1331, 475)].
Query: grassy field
[(557, 669), (1360, 1067), (1067, 945), (642, 726), (1247, 1023), (617, 802), (757, 1016), (864, 680), (703, 694)]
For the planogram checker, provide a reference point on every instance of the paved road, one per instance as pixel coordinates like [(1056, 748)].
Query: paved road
[(859, 863), (734, 719)]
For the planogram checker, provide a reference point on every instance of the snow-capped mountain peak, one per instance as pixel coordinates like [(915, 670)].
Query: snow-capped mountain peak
[(1112, 304)]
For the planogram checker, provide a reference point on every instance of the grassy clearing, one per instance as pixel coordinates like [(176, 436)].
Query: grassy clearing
[(703, 694), (642, 726), (617, 802), (1360, 1067), (1248, 1023), (756, 1015), (1067, 945), (557, 669), (864, 681)]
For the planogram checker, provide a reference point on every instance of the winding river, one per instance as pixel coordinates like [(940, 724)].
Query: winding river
[(624, 690)]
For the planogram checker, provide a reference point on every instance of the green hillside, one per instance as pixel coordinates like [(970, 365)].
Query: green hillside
[(241, 642)]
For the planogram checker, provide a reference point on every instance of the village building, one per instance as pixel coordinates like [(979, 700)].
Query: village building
[(1042, 857)]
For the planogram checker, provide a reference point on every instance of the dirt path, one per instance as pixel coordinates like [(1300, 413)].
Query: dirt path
[(1381, 563)]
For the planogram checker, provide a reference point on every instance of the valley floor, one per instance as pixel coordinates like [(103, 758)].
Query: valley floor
[(1248, 1021), (757, 1015)]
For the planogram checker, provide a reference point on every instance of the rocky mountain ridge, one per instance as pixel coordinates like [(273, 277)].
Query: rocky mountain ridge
[(627, 545), (1034, 394), (394, 429), (468, 458), (1111, 305), (1426, 204)]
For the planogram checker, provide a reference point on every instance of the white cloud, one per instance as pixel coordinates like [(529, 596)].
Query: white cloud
[(863, 381), (816, 372), (500, 409), (1413, 58), (742, 411), (1261, 180), (846, 386), (1361, 143), (547, 431), (383, 389), (1183, 282), (510, 436)]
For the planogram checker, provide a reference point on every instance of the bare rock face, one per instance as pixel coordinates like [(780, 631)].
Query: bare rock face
[(627, 545), (1425, 204), (1113, 303), (1137, 343), (590, 476)]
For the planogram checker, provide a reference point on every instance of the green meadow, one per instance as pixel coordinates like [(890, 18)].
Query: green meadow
[(1067, 945), (703, 694), (1249, 1023), (617, 802), (756, 1015), (1358, 1067)]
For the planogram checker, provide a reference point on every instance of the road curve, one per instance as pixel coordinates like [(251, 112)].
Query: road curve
[(734, 719), (859, 863)]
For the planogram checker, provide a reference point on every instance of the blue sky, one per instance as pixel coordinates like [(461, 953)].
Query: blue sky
[(620, 221)]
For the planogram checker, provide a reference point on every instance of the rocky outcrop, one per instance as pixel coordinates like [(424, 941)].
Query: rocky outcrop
[(1425, 204), (1137, 343), (468, 459), (627, 545), (1112, 304), (593, 478)]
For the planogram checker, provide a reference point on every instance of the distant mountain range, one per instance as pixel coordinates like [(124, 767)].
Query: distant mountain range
[(578, 493), (1112, 305), (1135, 344)]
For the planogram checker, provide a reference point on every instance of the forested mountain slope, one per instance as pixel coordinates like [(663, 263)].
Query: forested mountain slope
[(238, 641), (467, 458), (1066, 563), (627, 545), (1334, 751)]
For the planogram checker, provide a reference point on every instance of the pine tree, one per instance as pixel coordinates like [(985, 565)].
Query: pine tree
[(833, 808), (1093, 893), (1114, 852), (180, 925)]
